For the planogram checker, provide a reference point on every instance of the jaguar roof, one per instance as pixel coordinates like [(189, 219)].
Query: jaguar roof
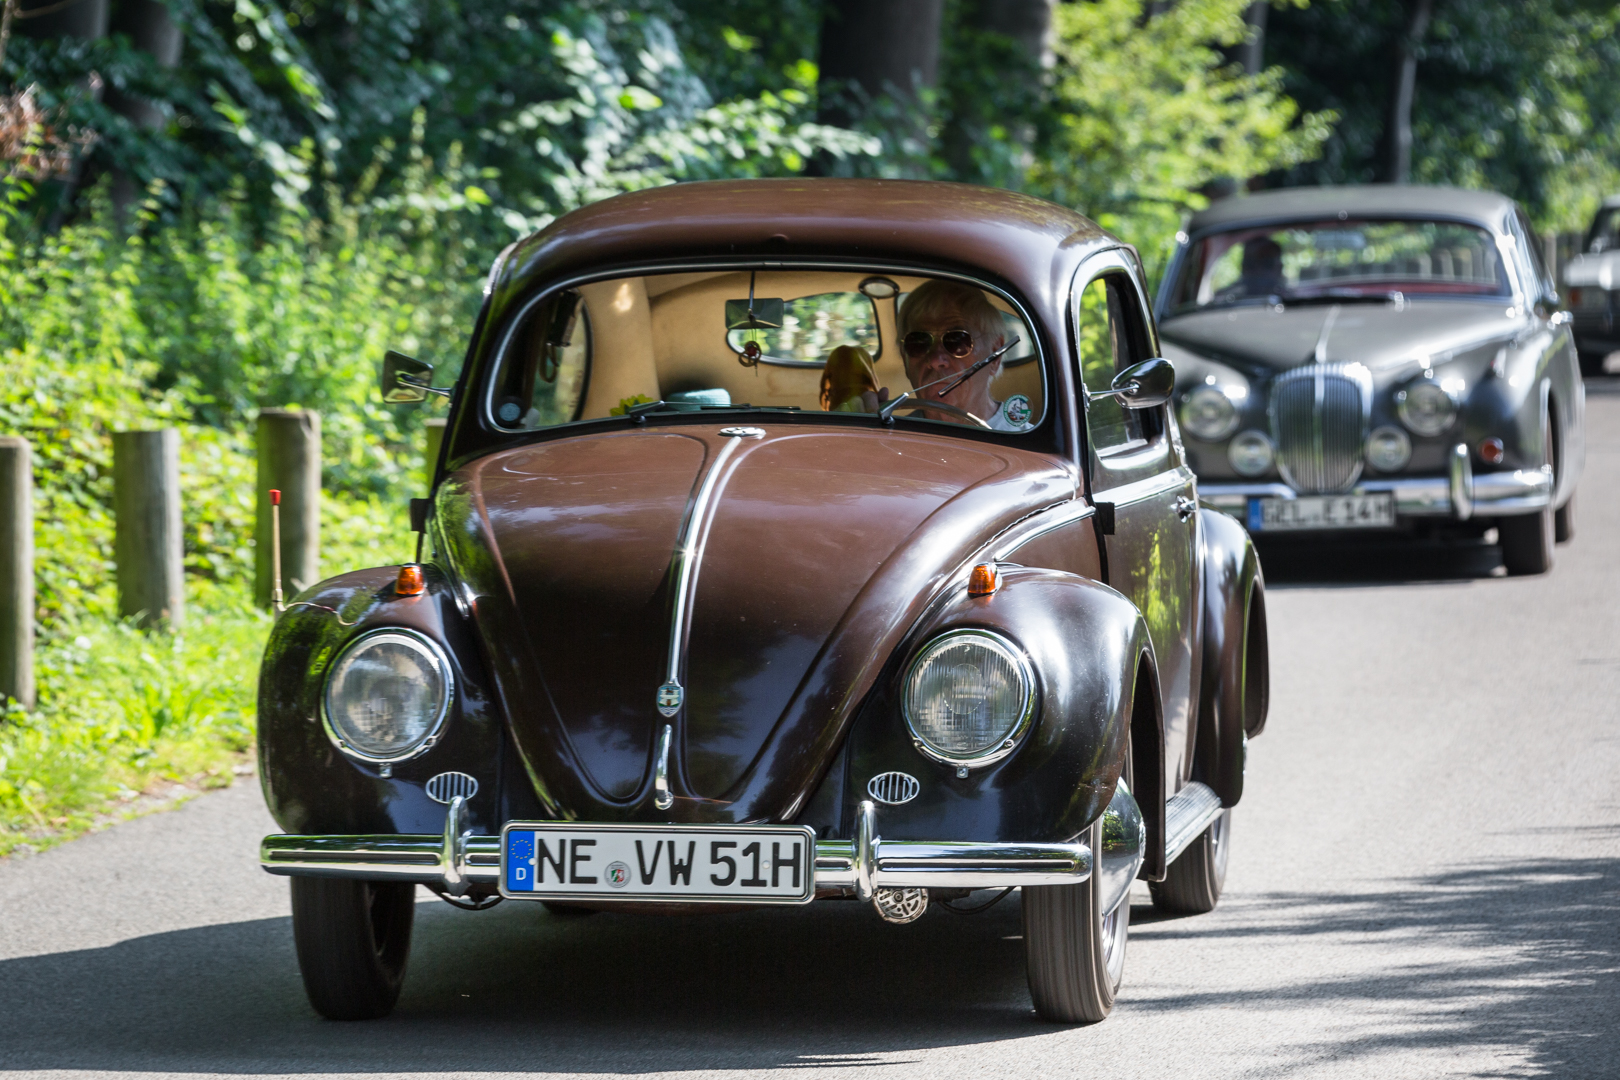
[(1361, 200)]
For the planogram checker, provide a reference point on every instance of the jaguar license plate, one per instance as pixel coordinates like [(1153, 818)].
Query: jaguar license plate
[(1376, 511), (752, 864)]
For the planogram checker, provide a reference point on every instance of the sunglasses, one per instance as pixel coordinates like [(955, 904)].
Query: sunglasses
[(919, 344)]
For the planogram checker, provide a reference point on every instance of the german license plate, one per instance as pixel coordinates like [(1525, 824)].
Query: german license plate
[(1322, 512), (753, 864)]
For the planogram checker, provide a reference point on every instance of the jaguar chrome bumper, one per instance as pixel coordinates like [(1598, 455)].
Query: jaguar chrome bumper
[(1460, 495), (456, 860)]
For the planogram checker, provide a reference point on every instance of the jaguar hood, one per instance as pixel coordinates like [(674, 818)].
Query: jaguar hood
[(1391, 341), (812, 551)]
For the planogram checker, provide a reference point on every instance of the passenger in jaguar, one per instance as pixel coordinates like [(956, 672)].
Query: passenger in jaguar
[(945, 328)]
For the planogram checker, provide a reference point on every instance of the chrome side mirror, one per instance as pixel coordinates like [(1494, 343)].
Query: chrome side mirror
[(1145, 385), (406, 380)]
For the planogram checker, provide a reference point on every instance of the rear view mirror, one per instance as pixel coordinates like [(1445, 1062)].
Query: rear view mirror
[(1144, 385), (762, 313), (405, 379)]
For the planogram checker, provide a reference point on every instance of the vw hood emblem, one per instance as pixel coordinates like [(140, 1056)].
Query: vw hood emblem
[(669, 698)]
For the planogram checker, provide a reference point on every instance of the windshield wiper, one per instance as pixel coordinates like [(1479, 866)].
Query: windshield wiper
[(956, 380)]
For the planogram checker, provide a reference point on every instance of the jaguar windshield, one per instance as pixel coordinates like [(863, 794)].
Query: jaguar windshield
[(838, 342), (1334, 259)]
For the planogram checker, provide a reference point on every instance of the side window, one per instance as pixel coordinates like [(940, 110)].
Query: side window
[(545, 367), (1111, 340), (1543, 284)]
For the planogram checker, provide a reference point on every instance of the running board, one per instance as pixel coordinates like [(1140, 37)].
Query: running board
[(1187, 814)]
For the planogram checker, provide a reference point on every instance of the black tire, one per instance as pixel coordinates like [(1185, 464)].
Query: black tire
[(1527, 542), (1564, 521), (353, 938), (1591, 363), (1074, 953), (1192, 884)]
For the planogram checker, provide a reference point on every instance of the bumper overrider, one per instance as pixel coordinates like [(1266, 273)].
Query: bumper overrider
[(456, 860)]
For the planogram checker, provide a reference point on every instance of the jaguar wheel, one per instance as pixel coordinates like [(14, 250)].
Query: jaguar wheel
[(1564, 521), (1074, 952), (1192, 884), (353, 938)]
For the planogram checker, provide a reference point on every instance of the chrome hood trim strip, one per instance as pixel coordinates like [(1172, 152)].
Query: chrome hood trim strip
[(688, 559)]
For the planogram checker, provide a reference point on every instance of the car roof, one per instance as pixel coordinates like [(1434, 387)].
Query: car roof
[(1362, 200), (1027, 243)]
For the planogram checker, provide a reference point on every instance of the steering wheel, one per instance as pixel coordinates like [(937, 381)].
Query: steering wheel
[(940, 406)]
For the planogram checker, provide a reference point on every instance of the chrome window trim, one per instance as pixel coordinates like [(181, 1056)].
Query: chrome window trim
[(491, 361), (434, 730), (1008, 742)]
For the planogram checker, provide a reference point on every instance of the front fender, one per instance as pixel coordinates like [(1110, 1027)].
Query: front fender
[(312, 787), (1235, 687), (1085, 642)]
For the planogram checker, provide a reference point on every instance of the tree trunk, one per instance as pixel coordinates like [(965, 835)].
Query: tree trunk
[(1398, 130), (80, 19), (150, 30), (886, 48), (1252, 53), (1028, 25)]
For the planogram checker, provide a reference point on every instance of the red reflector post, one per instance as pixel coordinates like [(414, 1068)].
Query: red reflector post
[(984, 580), (275, 496), (1490, 451), (410, 581)]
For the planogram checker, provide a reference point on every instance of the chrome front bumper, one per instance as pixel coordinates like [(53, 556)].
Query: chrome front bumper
[(1461, 495), (453, 863)]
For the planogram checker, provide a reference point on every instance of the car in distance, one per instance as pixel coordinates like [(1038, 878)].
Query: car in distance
[(1592, 281), (1379, 357), (790, 542)]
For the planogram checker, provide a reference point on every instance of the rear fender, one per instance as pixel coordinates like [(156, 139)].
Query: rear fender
[(1235, 687)]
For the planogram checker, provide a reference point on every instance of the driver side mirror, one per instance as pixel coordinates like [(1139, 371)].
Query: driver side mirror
[(406, 380), (1145, 385)]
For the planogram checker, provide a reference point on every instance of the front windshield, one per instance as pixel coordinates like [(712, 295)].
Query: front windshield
[(1334, 259), (1605, 233), (836, 342)]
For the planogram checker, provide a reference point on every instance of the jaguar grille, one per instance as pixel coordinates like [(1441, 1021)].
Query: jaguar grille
[(1319, 416)]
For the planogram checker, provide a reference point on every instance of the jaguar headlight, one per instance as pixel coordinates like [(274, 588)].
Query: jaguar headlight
[(1388, 449), (1426, 408), (969, 696), (1251, 454), (387, 695), (1207, 413)]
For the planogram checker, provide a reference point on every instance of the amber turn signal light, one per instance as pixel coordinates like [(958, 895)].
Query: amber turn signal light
[(410, 581), (1491, 451), (984, 580)]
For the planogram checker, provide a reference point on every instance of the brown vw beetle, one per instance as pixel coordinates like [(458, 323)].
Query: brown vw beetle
[(791, 540)]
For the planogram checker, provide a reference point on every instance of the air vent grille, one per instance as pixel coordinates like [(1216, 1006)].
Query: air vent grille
[(893, 788), (447, 785)]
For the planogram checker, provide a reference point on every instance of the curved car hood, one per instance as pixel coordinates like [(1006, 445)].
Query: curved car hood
[(1260, 341), (825, 545)]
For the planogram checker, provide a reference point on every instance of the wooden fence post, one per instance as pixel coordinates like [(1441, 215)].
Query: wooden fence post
[(434, 432), (148, 544), (16, 570), (289, 445)]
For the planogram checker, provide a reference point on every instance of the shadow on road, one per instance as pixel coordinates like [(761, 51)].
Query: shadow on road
[(1374, 561), (1522, 954)]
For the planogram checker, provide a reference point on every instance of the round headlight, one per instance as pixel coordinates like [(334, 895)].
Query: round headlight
[(1426, 408), (1251, 454), (969, 695), (1208, 414), (1388, 449), (387, 695)]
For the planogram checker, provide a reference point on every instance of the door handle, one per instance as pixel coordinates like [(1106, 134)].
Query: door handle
[(1185, 507)]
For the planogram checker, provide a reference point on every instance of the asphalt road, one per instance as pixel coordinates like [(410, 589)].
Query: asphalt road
[(1425, 882)]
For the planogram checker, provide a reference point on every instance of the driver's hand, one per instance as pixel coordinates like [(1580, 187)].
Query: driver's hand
[(873, 401)]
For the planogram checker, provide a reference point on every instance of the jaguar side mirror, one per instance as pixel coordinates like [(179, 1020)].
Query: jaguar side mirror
[(1144, 385), (406, 380)]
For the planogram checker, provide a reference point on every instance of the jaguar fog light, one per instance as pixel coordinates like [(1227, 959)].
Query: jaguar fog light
[(1208, 413), (1426, 408), (969, 695), (1388, 449), (1250, 454), (387, 695)]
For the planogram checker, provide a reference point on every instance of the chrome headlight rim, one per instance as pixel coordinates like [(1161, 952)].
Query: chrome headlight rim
[(1387, 431), (1417, 425), (435, 728), (1014, 736), (1252, 435), (1230, 421)]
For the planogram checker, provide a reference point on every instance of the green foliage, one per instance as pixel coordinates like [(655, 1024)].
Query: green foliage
[(1151, 113), (1516, 97)]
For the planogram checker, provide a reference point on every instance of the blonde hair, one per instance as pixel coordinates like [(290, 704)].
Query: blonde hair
[(938, 300), (847, 374)]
